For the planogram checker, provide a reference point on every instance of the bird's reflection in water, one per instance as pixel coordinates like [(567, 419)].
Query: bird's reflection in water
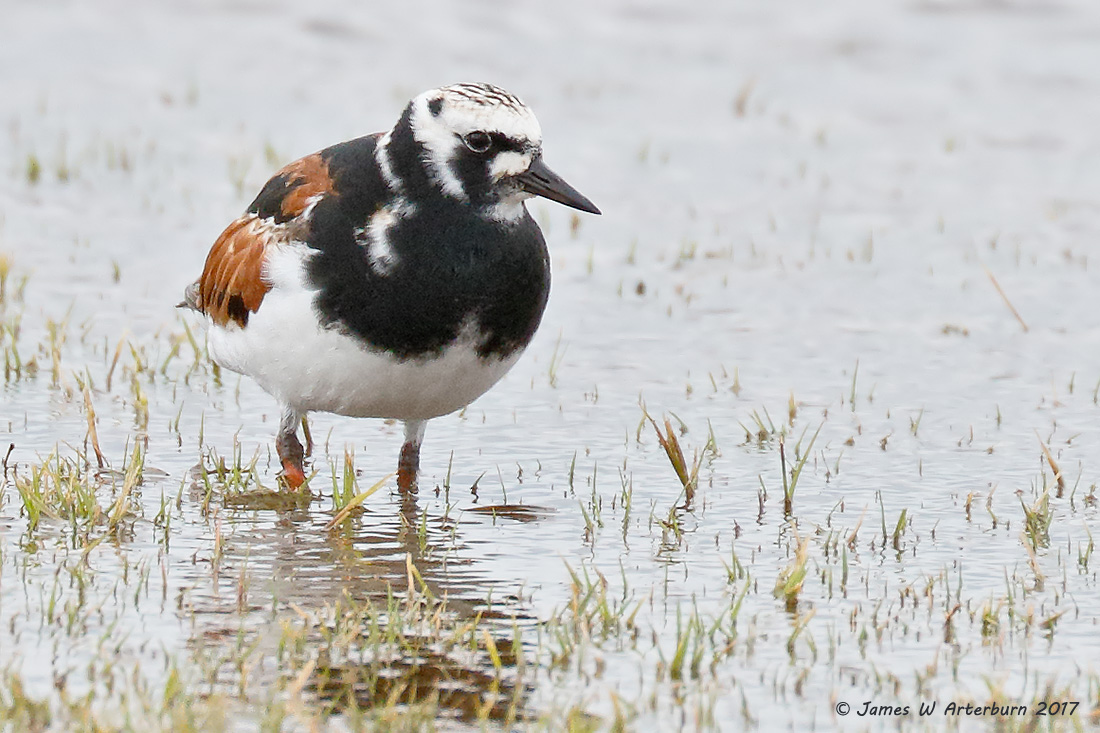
[(385, 611)]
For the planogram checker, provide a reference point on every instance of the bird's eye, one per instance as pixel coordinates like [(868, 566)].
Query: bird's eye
[(478, 142)]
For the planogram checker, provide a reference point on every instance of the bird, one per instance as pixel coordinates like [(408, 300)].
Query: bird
[(398, 275)]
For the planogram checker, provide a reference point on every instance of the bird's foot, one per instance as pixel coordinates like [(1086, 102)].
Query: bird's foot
[(292, 456), (293, 476)]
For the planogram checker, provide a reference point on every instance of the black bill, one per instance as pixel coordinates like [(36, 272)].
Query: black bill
[(541, 181)]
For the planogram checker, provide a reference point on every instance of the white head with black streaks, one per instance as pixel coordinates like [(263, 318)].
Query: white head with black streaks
[(474, 130), (482, 145)]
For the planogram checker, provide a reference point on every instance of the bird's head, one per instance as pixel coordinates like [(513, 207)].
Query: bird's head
[(482, 145)]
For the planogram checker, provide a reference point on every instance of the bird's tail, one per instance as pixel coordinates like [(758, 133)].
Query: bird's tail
[(191, 298)]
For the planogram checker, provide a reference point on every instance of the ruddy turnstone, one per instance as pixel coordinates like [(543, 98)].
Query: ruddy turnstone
[(398, 275)]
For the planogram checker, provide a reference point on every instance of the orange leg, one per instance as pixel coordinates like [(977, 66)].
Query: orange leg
[(408, 464), (290, 451)]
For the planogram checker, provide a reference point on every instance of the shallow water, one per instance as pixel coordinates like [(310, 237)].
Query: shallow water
[(802, 204)]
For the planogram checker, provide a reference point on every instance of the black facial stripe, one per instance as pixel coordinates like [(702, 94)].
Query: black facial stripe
[(435, 106), (407, 157), (472, 171), (503, 142)]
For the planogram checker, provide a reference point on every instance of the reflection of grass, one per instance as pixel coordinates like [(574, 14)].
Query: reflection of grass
[(405, 657)]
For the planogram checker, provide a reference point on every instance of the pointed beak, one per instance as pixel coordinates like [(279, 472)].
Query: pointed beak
[(541, 181)]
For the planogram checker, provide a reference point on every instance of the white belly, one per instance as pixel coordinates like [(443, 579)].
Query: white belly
[(286, 351)]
